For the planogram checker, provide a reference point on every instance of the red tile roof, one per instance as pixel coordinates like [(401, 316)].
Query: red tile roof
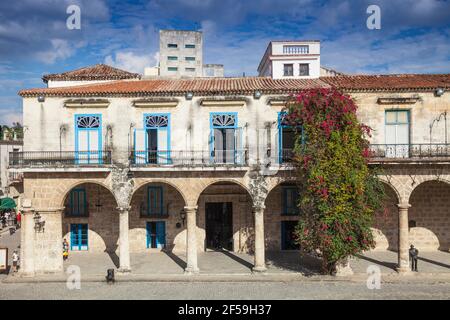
[(396, 82), (199, 86), (96, 72), (230, 86)]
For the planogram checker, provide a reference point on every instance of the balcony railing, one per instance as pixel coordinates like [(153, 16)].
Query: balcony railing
[(189, 158), (388, 152), (59, 158), (15, 177)]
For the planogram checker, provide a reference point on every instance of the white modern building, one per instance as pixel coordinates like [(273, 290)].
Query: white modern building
[(291, 60)]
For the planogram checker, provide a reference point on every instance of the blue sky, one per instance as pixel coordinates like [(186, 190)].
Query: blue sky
[(34, 40)]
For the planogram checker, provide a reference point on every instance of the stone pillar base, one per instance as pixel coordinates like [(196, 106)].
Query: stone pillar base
[(403, 270), (343, 270), (191, 271), (23, 274), (259, 270), (124, 270)]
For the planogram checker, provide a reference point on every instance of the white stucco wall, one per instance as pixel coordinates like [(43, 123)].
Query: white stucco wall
[(43, 122)]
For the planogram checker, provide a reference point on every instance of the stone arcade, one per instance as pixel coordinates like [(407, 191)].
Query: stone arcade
[(190, 165)]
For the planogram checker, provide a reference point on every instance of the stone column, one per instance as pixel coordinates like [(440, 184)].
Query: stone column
[(27, 240), (124, 242), (403, 238), (260, 247), (191, 240)]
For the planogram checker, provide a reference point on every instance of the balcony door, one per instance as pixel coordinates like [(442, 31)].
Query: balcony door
[(88, 139), (397, 133), (225, 139), (152, 144)]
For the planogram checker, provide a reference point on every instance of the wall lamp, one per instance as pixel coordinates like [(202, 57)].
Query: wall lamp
[(440, 92), (38, 223), (183, 216), (41, 98), (189, 95), (257, 94)]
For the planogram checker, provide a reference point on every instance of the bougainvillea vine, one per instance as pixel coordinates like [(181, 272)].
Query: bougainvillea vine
[(339, 193)]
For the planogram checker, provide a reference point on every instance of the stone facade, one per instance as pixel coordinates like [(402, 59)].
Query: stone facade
[(417, 190)]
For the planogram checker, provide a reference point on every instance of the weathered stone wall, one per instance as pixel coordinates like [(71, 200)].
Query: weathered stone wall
[(273, 218), (385, 228), (430, 209), (48, 244)]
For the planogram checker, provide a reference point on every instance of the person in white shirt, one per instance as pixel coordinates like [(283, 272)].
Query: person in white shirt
[(15, 259)]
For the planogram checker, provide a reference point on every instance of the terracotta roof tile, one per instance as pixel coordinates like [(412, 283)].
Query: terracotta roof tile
[(397, 82), (96, 72), (199, 86), (228, 86)]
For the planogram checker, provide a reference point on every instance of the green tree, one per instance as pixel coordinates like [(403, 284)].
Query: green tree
[(339, 193)]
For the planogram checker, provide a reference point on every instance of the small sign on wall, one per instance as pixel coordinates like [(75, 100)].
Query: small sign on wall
[(3, 260)]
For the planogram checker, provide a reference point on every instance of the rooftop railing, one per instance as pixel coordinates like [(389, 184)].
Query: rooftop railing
[(39, 159)]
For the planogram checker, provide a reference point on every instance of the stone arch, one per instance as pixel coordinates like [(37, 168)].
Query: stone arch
[(424, 179), (231, 202), (394, 186), (140, 182), (274, 182), (173, 203), (429, 215), (66, 191), (204, 186), (100, 215)]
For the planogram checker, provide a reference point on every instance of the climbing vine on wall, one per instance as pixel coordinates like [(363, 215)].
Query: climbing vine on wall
[(339, 193)]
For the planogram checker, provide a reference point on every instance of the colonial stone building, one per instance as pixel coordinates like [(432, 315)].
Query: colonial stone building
[(188, 165)]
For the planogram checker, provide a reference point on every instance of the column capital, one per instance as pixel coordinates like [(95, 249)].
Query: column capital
[(404, 205), (122, 209), (259, 207), (190, 208)]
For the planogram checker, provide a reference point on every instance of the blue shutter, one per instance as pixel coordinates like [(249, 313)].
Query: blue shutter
[(160, 234)]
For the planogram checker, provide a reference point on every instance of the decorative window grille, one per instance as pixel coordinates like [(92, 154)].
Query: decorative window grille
[(224, 120), (88, 122), (156, 121)]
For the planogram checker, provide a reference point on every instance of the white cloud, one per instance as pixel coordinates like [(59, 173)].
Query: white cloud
[(130, 61), (60, 50)]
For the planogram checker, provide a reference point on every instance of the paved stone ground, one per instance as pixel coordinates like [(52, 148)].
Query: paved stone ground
[(12, 242), (226, 290), (226, 263)]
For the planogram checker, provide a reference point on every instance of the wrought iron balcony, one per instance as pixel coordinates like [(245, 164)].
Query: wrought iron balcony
[(42, 159), (189, 158), (409, 152), (15, 177)]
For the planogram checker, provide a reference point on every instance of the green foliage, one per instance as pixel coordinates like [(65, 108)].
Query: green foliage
[(339, 193)]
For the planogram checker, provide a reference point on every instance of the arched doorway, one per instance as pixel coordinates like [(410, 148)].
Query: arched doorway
[(429, 216), (385, 222), (90, 224), (225, 220), (281, 217), (157, 219)]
